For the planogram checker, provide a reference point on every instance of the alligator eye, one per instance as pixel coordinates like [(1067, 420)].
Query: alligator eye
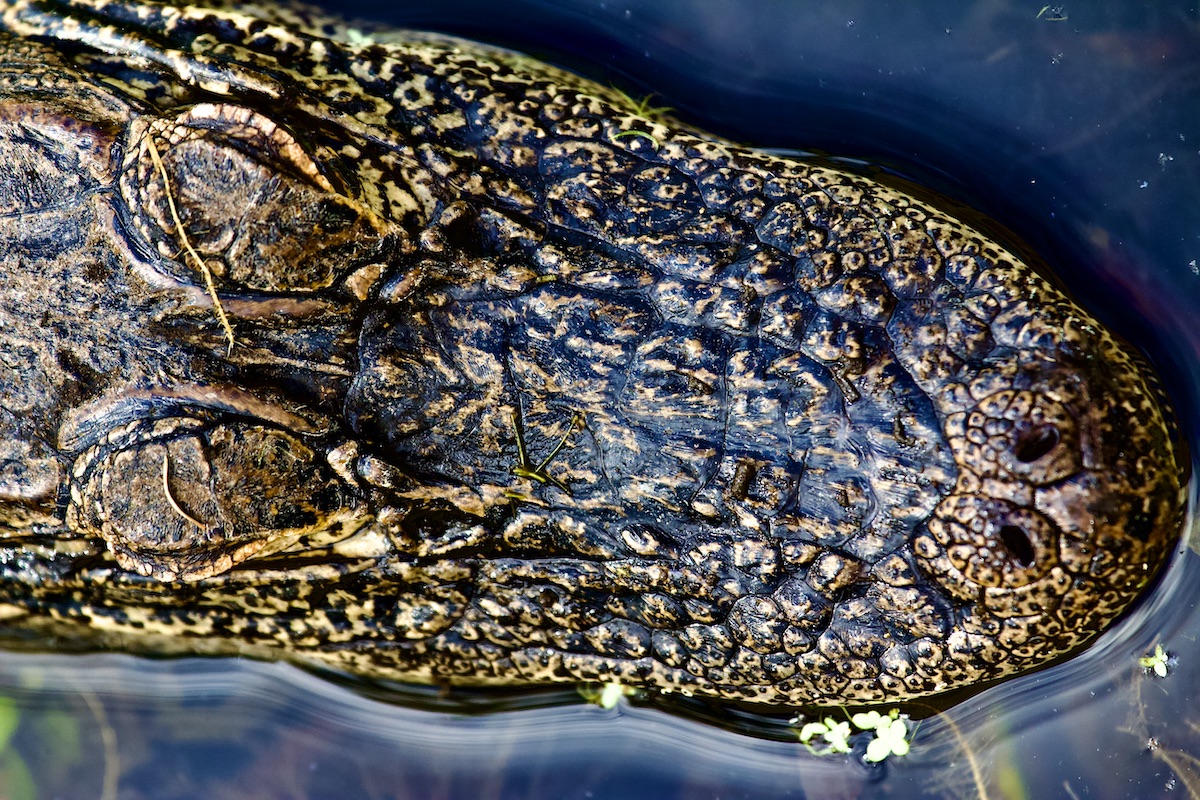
[(1036, 443), (1017, 542), (224, 189)]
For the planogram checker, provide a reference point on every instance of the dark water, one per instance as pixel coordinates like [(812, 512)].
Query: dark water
[(1082, 134)]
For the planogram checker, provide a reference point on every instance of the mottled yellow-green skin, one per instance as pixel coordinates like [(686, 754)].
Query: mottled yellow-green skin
[(525, 386)]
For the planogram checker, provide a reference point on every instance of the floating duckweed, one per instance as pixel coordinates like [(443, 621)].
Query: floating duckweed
[(891, 734), (1158, 662), (608, 695), (836, 735)]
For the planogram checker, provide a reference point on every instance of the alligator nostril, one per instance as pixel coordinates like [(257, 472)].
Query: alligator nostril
[(1016, 540), (1036, 443)]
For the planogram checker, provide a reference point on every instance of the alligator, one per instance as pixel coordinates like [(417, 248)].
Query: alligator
[(420, 360)]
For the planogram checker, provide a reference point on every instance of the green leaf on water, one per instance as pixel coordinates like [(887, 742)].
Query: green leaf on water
[(1157, 662)]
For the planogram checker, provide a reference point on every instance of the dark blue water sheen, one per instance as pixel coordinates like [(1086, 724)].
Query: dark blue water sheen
[(1082, 135)]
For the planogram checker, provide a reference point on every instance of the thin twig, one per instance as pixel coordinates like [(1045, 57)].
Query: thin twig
[(166, 487), (187, 245)]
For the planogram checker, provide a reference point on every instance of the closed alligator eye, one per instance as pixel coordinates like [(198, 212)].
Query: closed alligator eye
[(1017, 542), (1036, 443)]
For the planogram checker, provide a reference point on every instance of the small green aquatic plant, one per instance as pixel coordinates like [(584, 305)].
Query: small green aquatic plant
[(607, 695), (836, 735), (1159, 662), (891, 734), (643, 109)]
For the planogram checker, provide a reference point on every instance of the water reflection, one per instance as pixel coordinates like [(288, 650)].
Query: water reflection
[(1080, 129)]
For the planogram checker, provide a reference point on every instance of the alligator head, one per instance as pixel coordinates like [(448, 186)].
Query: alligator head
[(425, 361)]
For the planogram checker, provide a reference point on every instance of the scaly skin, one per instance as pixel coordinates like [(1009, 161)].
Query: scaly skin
[(526, 386)]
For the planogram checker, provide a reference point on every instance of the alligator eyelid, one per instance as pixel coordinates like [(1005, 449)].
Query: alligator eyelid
[(85, 425)]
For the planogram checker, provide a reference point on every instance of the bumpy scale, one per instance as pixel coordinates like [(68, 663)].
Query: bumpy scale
[(525, 386)]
